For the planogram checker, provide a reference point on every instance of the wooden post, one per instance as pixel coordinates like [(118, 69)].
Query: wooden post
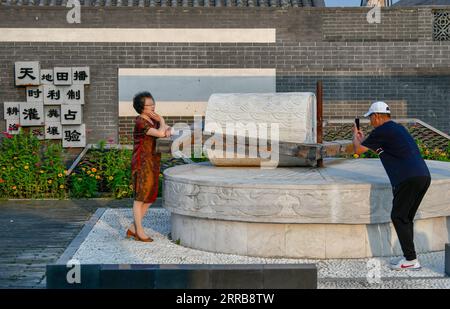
[(319, 97)]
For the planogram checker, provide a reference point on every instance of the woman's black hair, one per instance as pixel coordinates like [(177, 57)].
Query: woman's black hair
[(139, 100)]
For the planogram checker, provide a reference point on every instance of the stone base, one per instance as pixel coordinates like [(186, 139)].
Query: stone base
[(340, 211), (315, 241)]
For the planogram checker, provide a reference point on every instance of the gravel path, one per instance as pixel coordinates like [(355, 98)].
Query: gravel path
[(106, 245)]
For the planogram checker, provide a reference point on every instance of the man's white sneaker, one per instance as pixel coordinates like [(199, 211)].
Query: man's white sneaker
[(395, 261), (403, 264)]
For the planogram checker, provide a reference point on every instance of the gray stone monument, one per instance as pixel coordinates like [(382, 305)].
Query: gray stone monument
[(232, 205)]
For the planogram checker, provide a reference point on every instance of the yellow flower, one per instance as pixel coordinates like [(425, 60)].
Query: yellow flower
[(61, 186), (110, 178), (91, 175), (83, 169), (356, 156), (12, 167), (49, 181), (88, 172), (60, 175), (427, 152), (65, 172), (3, 168), (97, 177), (94, 170), (26, 167), (15, 158), (41, 171), (14, 187)]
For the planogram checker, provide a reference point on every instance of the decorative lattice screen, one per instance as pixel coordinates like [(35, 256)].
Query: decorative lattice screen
[(441, 25)]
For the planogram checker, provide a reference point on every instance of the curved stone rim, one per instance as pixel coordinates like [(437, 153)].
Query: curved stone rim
[(342, 203)]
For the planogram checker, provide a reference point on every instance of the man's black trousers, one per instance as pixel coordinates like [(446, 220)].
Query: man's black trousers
[(407, 197)]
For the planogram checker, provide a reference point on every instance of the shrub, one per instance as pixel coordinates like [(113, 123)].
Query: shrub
[(30, 168)]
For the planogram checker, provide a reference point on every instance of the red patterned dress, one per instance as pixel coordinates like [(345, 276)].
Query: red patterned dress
[(145, 163)]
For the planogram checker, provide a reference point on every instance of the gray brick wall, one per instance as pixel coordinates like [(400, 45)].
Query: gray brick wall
[(349, 25), (394, 61)]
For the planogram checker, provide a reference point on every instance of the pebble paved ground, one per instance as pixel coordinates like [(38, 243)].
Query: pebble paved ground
[(106, 244)]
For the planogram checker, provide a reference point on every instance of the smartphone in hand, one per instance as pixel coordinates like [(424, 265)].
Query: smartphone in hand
[(357, 123)]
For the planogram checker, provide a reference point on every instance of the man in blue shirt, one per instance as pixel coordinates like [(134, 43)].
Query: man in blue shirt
[(407, 171)]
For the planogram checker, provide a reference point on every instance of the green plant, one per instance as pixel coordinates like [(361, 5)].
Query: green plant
[(84, 183), (434, 154), (426, 153), (203, 158), (117, 171), (369, 155), (30, 168)]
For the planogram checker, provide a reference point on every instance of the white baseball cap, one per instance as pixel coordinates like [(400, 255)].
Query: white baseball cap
[(379, 108)]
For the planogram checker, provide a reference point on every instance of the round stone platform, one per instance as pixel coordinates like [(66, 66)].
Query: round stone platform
[(340, 211)]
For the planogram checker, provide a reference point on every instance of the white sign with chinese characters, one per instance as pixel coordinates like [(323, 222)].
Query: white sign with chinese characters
[(31, 114), (53, 130), (11, 111), (71, 114), (38, 132), (52, 113), (27, 73), (74, 95), (12, 126), (46, 77), (74, 136), (54, 103), (35, 94), (80, 76), (53, 94), (62, 76)]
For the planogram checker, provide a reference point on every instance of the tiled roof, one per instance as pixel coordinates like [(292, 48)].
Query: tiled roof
[(171, 3), (427, 135), (421, 2)]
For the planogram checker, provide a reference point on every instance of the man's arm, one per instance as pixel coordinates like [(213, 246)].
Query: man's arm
[(358, 137)]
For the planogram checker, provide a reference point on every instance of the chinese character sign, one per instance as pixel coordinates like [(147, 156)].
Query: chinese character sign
[(80, 76), (12, 126), (62, 76), (38, 132), (74, 94), (27, 73), (53, 130), (35, 94), (52, 113), (71, 114), (54, 103), (47, 77), (31, 114), (11, 111), (74, 136), (53, 94)]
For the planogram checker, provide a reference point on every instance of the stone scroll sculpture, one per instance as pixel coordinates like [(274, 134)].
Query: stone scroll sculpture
[(250, 115)]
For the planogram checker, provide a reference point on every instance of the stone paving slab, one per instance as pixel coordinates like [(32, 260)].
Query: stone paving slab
[(36, 232)]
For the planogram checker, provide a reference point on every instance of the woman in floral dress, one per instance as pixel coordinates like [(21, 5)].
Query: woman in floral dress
[(145, 163)]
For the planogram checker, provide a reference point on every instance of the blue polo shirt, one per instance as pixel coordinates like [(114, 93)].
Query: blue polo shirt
[(398, 152)]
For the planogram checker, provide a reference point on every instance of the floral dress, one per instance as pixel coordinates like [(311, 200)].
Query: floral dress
[(145, 163)]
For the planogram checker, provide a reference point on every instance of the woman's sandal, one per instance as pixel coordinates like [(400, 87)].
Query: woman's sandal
[(149, 239), (136, 237), (130, 234)]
